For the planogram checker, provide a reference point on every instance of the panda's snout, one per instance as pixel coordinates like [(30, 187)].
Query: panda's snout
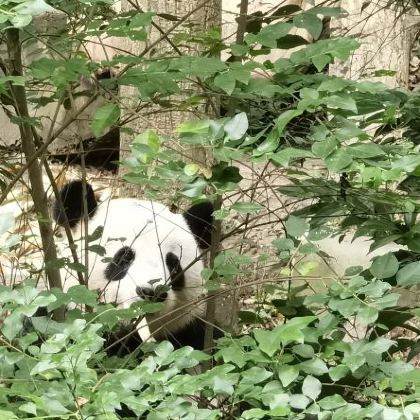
[(148, 293)]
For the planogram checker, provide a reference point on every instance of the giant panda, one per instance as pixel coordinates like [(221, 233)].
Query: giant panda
[(150, 254)]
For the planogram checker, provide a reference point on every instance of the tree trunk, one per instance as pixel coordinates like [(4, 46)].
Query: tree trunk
[(74, 125), (34, 169), (385, 44)]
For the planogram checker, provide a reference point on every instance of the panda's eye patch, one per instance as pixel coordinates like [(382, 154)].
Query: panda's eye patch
[(176, 272), (121, 261)]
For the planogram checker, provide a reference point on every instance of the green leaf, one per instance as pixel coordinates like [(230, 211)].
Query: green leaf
[(332, 402), (310, 22), (292, 330), (163, 350), (142, 19), (354, 361), (367, 315), (333, 84), (311, 387), (20, 21), (314, 367), (365, 150), (33, 8), (8, 415), (304, 350), (12, 325), (285, 118), (295, 226), (255, 375), (388, 301), (82, 296), (385, 266), (269, 144), (76, 266), (224, 174), (269, 35), (150, 81), (54, 344), (319, 233), (283, 244), (145, 146), (268, 341), (104, 117), (195, 189), (194, 127), (226, 82), (97, 249), (253, 413), (191, 169), (324, 148), (28, 407), (409, 274), (338, 372), (343, 102), (320, 61), (299, 401), (237, 126), (338, 160), (197, 66), (290, 41), (407, 163), (239, 50), (287, 374), (247, 207), (322, 51), (285, 155), (43, 366), (222, 386)]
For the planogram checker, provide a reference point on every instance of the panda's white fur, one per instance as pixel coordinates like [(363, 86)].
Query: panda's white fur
[(152, 232)]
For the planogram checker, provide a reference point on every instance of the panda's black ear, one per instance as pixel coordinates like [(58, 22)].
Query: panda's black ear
[(71, 197), (200, 220)]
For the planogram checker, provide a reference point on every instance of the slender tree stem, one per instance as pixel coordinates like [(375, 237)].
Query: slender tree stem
[(243, 12), (211, 303), (217, 233), (34, 170)]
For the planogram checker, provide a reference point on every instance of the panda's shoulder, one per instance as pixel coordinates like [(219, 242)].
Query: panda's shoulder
[(131, 211)]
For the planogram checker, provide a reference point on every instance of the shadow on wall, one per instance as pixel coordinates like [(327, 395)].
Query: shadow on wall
[(102, 152)]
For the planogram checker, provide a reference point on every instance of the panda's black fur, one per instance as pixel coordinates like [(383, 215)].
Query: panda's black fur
[(151, 254)]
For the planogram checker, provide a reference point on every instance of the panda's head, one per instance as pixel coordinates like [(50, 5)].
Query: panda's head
[(139, 250)]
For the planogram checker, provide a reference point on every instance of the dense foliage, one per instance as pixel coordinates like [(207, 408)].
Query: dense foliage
[(291, 366)]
